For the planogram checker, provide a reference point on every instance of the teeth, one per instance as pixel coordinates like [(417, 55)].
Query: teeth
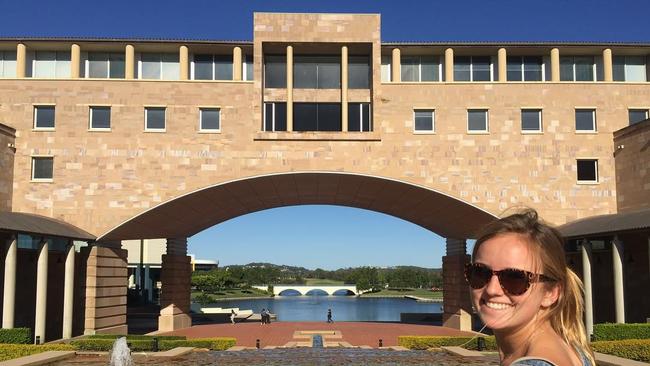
[(496, 305)]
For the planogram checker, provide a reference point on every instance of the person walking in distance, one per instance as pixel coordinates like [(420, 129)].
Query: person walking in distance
[(232, 316), (263, 316), (329, 316)]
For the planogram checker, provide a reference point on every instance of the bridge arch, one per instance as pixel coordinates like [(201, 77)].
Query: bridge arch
[(290, 292)]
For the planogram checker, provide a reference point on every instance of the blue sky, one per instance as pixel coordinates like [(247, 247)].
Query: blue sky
[(326, 236)]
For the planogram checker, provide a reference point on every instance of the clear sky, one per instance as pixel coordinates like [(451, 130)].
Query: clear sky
[(326, 236)]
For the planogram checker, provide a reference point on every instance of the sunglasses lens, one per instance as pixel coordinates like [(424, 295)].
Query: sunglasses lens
[(478, 276), (514, 281)]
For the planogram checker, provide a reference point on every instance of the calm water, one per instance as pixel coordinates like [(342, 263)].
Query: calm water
[(344, 308)]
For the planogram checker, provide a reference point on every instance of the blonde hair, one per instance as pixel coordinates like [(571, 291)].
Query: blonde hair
[(547, 248)]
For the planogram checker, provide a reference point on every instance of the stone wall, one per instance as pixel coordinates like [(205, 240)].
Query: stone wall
[(7, 150), (632, 155)]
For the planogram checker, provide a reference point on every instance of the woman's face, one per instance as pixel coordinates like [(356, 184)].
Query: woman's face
[(498, 309)]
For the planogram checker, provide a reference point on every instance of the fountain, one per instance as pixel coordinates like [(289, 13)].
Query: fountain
[(121, 354)]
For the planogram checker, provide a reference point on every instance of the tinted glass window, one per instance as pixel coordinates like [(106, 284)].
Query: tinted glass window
[(410, 68), (210, 118), (98, 65), (637, 115), (566, 68), (222, 67), (329, 116), (100, 117), (116, 65), (354, 117), (533, 68), (358, 72), (584, 68), (329, 73), (275, 71), (423, 120), (481, 69), (477, 120), (44, 117), (280, 116), (462, 68), (366, 120), (43, 168), (155, 118), (531, 120), (305, 117), (150, 63), (203, 67), (514, 69), (585, 120), (588, 170), (305, 72)]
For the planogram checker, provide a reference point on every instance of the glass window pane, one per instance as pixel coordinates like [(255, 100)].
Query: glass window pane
[(63, 64), (386, 68), (566, 69), (275, 71), (155, 118), (170, 67), (358, 72), (268, 116), (354, 117), (150, 63), (223, 67), (481, 69), (210, 119), (44, 117), (365, 120), (100, 117), (329, 73), (329, 116), (585, 120), (477, 120), (584, 68), (116, 65), (514, 68), (97, 65), (305, 117), (280, 116), (533, 68), (618, 68), (248, 69), (462, 68), (588, 170), (305, 72), (531, 120), (635, 68), (44, 64), (637, 115), (429, 68), (8, 64), (43, 168), (203, 67), (424, 120), (410, 68)]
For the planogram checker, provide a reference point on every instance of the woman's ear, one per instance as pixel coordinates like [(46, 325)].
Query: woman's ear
[(551, 295)]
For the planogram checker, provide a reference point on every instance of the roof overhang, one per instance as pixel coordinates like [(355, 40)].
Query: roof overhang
[(607, 224), (27, 223)]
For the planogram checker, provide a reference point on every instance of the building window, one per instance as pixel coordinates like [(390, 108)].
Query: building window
[(275, 116), (386, 68), (317, 72), (526, 68), (359, 119), (629, 68), (586, 120), (587, 170), (7, 64), (531, 120), (159, 66), (420, 68), (44, 117), (210, 119), (42, 168), (637, 115), (212, 67), (247, 67), (100, 118), (154, 118), (359, 72), (424, 120), (105, 65), (577, 68), (317, 117), (275, 71), (473, 68), (50, 64), (477, 120)]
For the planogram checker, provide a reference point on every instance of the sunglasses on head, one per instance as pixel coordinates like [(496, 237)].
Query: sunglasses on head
[(513, 281)]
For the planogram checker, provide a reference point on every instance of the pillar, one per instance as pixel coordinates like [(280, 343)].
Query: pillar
[(608, 72), (9, 290), (21, 60), (555, 65), (619, 292), (586, 281), (289, 88), (175, 275), (75, 61), (106, 285), (129, 62), (396, 65), (457, 306), (183, 62), (68, 295), (449, 65), (236, 64), (41, 291), (503, 65), (344, 88)]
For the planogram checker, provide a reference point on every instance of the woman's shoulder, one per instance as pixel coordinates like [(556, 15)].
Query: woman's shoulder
[(532, 361)]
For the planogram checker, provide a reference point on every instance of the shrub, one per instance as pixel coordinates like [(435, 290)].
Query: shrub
[(11, 351), (634, 349), (133, 337), (98, 344), (614, 332), (16, 335), (216, 344), (426, 342), (145, 343)]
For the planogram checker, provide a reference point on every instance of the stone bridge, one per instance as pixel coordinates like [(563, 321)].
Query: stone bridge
[(305, 290)]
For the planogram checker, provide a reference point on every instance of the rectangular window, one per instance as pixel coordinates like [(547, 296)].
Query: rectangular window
[(473, 68), (586, 120), (247, 67), (629, 68), (51, 64), (212, 67), (587, 170), (527, 68), (386, 68), (637, 115), (359, 117), (154, 118), (42, 168), (317, 116), (105, 65), (531, 120), (210, 119), (44, 117), (317, 72), (159, 66), (275, 117), (477, 120), (100, 118), (359, 72), (420, 68), (7, 64), (275, 71), (424, 120), (577, 68)]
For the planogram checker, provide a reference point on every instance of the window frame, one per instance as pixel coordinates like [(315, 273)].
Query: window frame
[(487, 121), (432, 111), (272, 56), (4, 64), (540, 113), (646, 110), (593, 120), (155, 130), (438, 69), (34, 158), (108, 65), (386, 68), (90, 118), (626, 69), (68, 70), (264, 116), (160, 76), (587, 182), (471, 70), (522, 69), (35, 127), (209, 108), (213, 63), (361, 105), (594, 69)]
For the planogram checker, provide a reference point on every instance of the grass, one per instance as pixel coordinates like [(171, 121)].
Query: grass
[(234, 293), (419, 292), (322, 282)]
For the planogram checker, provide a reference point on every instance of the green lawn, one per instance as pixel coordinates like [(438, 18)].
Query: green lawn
[(234, 293), (322, 282), (419, 292)]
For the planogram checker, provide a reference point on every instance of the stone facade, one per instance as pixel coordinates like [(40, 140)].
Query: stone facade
[(7, 150), (632, 155)]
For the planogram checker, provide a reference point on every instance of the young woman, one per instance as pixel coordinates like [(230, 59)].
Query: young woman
[(523, 290)]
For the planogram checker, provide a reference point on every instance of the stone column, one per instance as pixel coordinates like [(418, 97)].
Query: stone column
[(344, 88), (9, 290), (175, 276), (236, 63), (41, 291), (68, 295), (129, 62), (289, 88), (457, 306), (75, 61), (555, 65), (396, 66), (106, 284), (608, 72), (449, 65), (586, 280), (619, 291), (21, 60), (183, 62), (503, 65)]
